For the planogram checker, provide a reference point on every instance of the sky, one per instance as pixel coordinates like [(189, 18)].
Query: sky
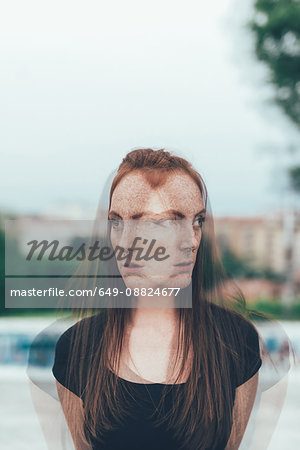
[(83, 83)]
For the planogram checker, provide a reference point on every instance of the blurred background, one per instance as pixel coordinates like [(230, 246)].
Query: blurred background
[(83, 83)]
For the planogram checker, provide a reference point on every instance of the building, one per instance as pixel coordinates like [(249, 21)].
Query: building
[(267, 242)]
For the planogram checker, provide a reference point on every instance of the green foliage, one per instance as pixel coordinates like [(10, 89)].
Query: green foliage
[(236, 267), (294, 176), (277, 310), (2, 270), (16, 311), (276, 27)]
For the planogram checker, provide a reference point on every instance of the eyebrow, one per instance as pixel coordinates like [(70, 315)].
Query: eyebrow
[(173, 212)]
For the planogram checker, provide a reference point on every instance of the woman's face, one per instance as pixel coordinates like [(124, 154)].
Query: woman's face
[(165, 221)]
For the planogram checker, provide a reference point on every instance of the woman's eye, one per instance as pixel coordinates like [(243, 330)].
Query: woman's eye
[(158, 222), (163, 223), (200, 221), (115, 223)]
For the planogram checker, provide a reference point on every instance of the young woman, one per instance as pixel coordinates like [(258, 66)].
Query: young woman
[(160, 371)]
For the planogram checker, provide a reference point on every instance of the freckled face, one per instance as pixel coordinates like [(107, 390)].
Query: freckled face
[(171, 220)]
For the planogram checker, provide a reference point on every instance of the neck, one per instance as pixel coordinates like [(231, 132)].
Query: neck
[(158, 318)]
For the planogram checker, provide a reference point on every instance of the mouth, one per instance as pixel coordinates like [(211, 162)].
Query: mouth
[(184, 263), (184, 266), (130, 268)]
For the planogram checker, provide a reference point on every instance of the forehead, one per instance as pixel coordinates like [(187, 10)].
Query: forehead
[(133, 195)]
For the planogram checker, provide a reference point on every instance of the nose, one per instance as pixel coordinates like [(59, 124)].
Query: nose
[(128, 234), (187, 238)]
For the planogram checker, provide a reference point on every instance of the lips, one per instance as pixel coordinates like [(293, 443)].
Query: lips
[(132, 268), (184, 263), (184, 267)]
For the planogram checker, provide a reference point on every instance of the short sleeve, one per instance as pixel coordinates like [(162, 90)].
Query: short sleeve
[(61, 366), (250, 356)]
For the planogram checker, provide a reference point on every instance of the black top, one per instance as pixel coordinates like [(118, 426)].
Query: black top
[(138, 433)]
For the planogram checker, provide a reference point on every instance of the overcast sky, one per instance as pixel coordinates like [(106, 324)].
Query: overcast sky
[(83, 83)]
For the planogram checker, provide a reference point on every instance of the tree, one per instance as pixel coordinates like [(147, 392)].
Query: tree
[(276, 27), (294, 176), (2, 271)]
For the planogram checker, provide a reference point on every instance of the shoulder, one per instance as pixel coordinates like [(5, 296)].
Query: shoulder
[(242, 340), (90, 325), (232, 321), (66, 339), (74, 346)]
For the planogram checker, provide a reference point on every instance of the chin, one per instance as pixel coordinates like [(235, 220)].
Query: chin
[(153, 282)]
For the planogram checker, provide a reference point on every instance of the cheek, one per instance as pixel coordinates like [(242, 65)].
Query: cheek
[(114, 239), (198, 236)]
